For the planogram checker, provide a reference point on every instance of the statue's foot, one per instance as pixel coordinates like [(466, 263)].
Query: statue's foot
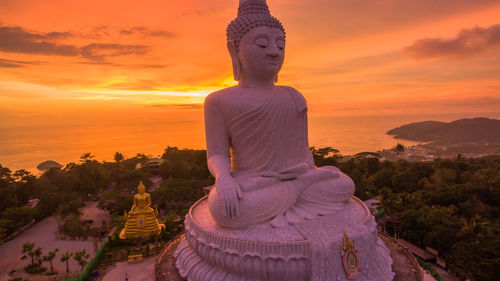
[(317, 175), (327, 193)]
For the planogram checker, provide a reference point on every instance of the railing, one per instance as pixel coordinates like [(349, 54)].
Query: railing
[(168, 246), (431, 269), (137, 258)]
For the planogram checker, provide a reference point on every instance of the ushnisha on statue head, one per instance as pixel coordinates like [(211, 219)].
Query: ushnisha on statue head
[(255, 39)]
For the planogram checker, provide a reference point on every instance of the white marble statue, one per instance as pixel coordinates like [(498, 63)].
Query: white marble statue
[(257, 142), (272, 214)]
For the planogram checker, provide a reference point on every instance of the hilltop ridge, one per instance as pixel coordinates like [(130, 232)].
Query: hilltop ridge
[(463, 131)]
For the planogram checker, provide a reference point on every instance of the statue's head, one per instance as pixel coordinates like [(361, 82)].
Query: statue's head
[(141, 188), (256, 41)]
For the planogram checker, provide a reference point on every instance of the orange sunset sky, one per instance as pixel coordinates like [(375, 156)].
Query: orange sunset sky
[(75, 61)]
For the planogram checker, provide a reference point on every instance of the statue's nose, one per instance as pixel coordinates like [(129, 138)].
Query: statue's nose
[(273, 55), (273, 52)]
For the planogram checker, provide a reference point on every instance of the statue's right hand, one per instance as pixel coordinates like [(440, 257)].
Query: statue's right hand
[(230, 191)]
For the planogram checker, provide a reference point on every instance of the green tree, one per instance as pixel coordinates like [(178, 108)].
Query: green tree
[(382, 178), (86, 157), (116, 202), (326, 156), (5, 175), (444, 176), (81, 257), (399, 148), (15, 218), (388, 201), (29, 251), (65, 258), (118, 157), (49, 257), (181, 169), (35, 254), (73, 227), (69, 207), (180, 191), (405, 181)]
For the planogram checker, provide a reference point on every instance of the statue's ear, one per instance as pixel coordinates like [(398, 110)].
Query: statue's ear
[(236, 61)]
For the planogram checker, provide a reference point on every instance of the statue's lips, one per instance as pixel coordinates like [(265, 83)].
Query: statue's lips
[(274, 62)]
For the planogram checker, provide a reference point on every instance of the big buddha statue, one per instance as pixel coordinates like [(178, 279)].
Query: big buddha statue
[(272, 215)]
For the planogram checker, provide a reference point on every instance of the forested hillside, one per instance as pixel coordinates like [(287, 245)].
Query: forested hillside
[(452, 205)]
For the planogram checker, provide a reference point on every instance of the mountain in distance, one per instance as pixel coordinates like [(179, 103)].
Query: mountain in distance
[(462, 131)]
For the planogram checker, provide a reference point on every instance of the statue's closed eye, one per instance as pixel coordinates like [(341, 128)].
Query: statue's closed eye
[(262, 42), (280, 44)]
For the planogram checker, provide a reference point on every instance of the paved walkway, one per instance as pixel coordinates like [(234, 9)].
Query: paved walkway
[(403, 263), (43, 234), (136, 272)]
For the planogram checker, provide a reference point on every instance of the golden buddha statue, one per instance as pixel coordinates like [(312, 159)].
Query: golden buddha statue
[(142, 220)]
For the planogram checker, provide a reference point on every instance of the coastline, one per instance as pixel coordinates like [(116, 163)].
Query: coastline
[(26, 147)]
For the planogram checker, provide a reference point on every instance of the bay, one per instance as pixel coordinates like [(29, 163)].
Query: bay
[(24, 147)]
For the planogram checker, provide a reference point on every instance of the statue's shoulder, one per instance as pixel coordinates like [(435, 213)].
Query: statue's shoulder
[(220, 95), (291, 90), (295, 93)]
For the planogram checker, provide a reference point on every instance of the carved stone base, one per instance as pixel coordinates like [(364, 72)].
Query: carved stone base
[(405, 266), (310, 250)]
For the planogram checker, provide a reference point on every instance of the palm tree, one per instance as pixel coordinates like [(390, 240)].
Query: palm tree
[(38, 256), (399, 148), (81, 257), (30, 251), (65, 258), (49, 257)]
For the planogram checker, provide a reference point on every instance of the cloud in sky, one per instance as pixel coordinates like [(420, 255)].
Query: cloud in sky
[(178, 105), (4, 63), (15, 39), (468, 42), (19, 40), (357, 64), (97, 51), (144, 31), (336, 49)]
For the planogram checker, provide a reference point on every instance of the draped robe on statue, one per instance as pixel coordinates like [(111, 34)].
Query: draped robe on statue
[(266, 138)]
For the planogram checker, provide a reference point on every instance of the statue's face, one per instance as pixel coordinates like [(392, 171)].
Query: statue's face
[(261, 52), (141, 189)]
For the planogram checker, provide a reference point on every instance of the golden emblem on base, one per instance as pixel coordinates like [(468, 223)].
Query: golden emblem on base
[(350, 259), (142, 220)]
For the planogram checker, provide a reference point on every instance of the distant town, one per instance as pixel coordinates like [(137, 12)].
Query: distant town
[(470, 138)]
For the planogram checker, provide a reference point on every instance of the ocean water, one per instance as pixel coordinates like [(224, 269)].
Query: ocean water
[(24, 147)]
